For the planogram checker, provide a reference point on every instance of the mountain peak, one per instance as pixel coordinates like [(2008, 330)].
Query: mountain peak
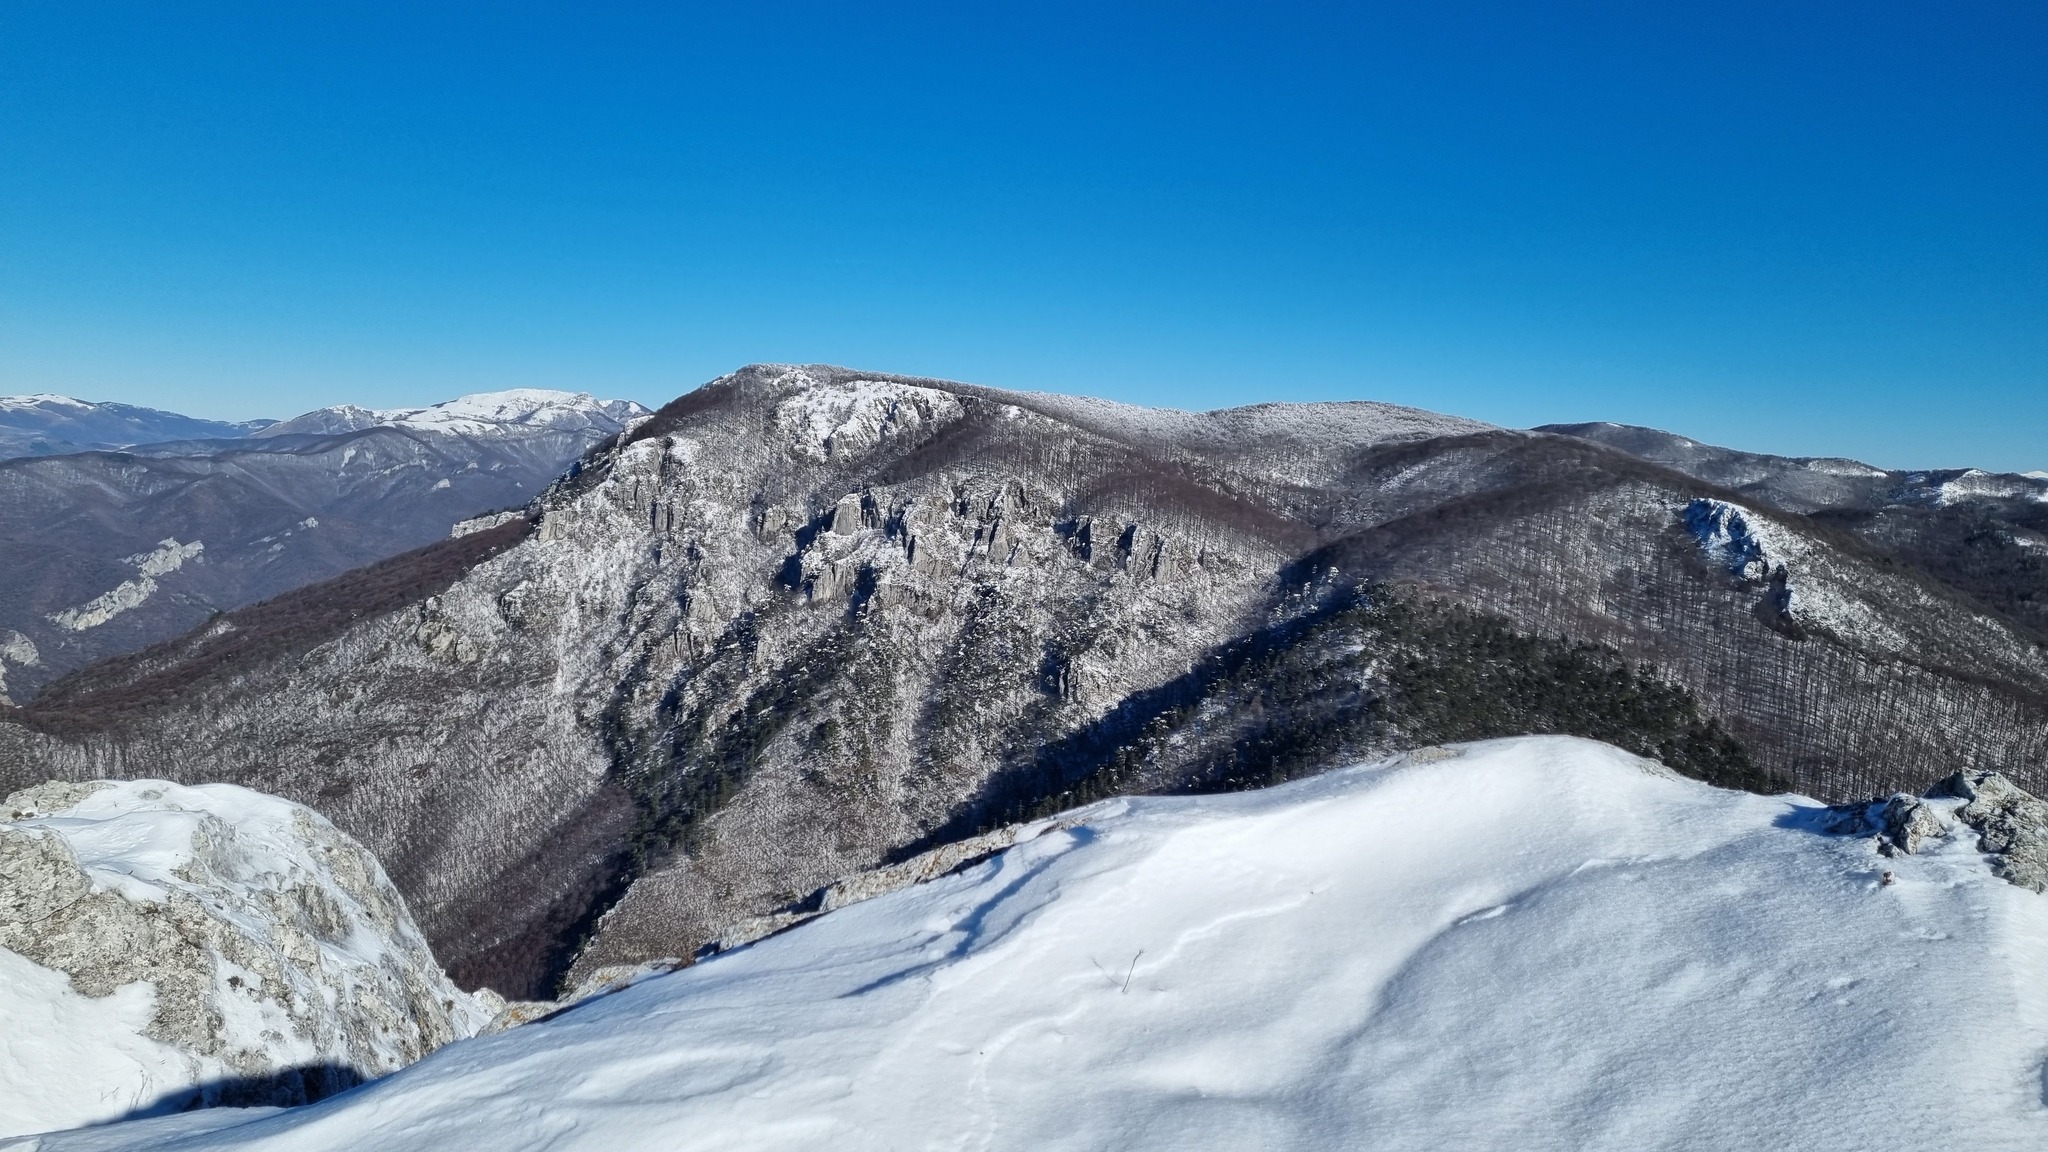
[(479, 413)]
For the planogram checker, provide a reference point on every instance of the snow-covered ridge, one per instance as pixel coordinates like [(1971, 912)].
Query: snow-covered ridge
[(163, 946), (1298, 442), (1536, 943), (41, 400), (483, 413), (46, 424), (1840, 466), (1976, 484)]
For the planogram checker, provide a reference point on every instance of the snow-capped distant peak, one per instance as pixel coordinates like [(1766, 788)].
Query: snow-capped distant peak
[(45, 423), (511, 411), (42, 400), (528, 406)]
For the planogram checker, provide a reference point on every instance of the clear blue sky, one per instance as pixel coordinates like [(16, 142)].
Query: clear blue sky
[(1810, 228)]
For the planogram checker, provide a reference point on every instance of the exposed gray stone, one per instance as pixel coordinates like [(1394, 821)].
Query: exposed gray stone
[(1909, 822), (2011, 824), (312, 941)]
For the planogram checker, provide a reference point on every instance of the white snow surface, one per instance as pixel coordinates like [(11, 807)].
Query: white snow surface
[(1540, 943), (137, 837), (72, 1059)]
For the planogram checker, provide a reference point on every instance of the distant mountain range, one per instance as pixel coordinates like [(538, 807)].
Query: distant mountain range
[(807, 620), (47, 425), (108, 551)]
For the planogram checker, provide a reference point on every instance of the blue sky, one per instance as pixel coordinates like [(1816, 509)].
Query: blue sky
[(1816, 228)]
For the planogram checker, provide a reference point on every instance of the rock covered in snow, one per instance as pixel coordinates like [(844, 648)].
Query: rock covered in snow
[(1910, 822), (2011, 825), (168, 947)]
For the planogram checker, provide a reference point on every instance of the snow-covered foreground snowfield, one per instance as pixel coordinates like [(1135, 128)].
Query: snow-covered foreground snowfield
[(1536, 943)]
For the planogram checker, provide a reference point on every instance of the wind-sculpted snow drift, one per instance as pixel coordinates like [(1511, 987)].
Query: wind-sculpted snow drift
[(1527, 944), (165, 947), (807, 621)]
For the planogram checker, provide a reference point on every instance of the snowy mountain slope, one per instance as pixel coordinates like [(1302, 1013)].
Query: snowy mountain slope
[(1812, 655), (166, 946), (1796, 484), (1294, 443), (513, 412), (1974, 531), (807, 621), (46, 425), (1527, 944), (248, 519)]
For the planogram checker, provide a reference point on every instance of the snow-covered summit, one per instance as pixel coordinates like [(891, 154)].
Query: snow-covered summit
[(1534, 943), (511, 411), (42, 401), (1299, 442), (163, 946)]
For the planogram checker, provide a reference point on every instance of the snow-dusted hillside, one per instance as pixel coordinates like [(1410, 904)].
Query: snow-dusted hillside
[(1528, 944), (507, 413), (165, 946), (110, 553), (808, 621), (46, 424)]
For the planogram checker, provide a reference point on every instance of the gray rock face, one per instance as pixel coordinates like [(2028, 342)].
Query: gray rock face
[(1910, 822), (2011, 824), (282, 963)]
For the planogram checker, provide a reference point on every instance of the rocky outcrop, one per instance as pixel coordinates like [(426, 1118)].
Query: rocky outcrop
[(2011, 825), (279, 962), (1910, 822)]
